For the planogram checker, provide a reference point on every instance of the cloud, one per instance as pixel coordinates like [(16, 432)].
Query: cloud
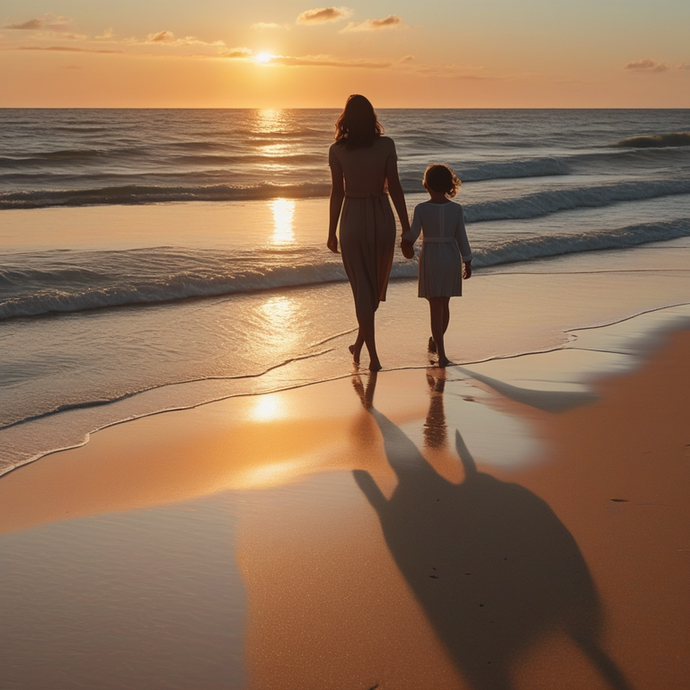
[(648, 65), (392, 21), (311, 60), (167, 38), (68, 49), (160, 37), (329, 61), (237, 53), (321, 15), (50, 22), (407, 63), (263, 26), (30, 25)]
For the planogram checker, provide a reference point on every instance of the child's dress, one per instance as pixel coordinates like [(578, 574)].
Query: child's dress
[(444, 248)]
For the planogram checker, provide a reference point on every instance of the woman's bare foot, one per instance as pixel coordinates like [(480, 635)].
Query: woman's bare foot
[(375, 365), (355, 351), (444, 362)]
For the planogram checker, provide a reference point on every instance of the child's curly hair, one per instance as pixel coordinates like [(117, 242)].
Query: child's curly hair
[(440, 178)]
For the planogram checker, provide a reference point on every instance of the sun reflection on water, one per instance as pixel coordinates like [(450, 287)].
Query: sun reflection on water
[(280, 314), (283, 215), (271, 126), (270, 121)]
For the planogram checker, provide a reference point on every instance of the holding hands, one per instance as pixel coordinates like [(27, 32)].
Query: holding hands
[(407, 248)]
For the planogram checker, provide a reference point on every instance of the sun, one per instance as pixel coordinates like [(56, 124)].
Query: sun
[(264, 58)]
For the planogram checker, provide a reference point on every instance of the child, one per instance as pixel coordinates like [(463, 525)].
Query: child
[(444, 251)]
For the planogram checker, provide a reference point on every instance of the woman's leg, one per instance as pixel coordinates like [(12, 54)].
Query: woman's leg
[(365, 318), (356, 349), (440, 318)]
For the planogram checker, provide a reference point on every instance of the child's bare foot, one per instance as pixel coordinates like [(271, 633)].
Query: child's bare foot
[(355, 351), (432, 345)]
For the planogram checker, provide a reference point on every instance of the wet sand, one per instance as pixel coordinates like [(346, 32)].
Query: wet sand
[(331, 594)]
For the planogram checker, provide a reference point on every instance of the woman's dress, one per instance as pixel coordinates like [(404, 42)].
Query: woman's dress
[(444, 248), (367, 225)]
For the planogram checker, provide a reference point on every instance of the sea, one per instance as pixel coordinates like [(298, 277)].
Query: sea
[(160, 259)]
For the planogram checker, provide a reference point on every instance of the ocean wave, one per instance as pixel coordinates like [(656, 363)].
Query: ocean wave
[(66, 158), (656, 140), (202, 155), (546, 166), (531, 167), (79, 128), (147, 194), (532, 205), (152, 278), (538, 204), (61, 283), (516, 250), (245, 159)]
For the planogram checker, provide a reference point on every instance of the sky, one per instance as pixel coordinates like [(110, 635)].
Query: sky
[(400, 53)]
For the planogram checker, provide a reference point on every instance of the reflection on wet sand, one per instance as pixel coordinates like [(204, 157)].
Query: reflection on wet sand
[(492, 565), (435, 429)]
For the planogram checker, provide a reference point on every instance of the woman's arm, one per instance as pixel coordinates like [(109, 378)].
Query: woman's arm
[(396, 191), (336, 203)]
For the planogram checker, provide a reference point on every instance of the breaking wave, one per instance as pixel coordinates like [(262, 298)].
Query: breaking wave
[(656, 140), (62, 282)]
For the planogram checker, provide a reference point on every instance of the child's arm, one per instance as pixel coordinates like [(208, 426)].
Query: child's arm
[(410, 237), (464, 245)]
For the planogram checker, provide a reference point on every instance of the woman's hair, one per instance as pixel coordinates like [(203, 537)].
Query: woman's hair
[(440, 178), (358, 126)]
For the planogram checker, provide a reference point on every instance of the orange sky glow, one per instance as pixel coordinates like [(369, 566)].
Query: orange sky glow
[(167, 53)]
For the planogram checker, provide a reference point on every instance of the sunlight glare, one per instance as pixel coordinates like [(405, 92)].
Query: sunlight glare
[(270, 121), (267, 408), (279, 311), (279, 314), (283, 214), (264, 58)]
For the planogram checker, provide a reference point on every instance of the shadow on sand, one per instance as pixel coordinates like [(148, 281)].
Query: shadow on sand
[(490, 562)]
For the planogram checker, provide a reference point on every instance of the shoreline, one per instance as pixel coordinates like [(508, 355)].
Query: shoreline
[(569, 376), (567, 334), (550, 298)]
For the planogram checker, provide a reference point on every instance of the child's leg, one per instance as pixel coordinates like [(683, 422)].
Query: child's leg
[(446, 321), (440, 317)]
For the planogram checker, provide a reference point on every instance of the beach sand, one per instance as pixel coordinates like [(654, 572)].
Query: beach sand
[(341, 535)]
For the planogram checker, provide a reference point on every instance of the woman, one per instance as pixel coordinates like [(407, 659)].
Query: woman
[(363, 169)]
